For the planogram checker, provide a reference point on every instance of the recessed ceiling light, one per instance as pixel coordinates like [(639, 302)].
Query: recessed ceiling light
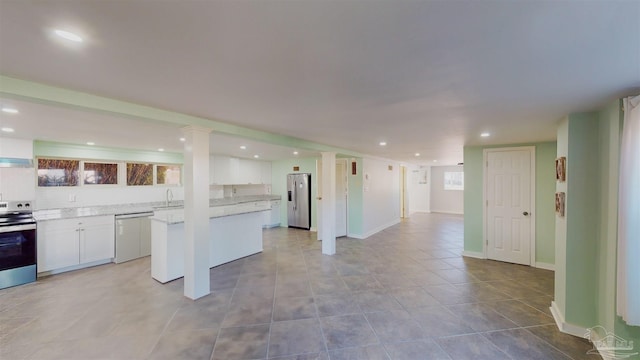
[(7, 129), (417, 154), (90, 143), (243, 147), (68, 35), (9, 110), (161, 149), (256, 156), (383, 143), (295, 153), (435, 160), (485, 134), (183, 139)]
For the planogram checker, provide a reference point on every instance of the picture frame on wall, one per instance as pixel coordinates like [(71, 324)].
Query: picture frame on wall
[(561, 169), (560, 204)]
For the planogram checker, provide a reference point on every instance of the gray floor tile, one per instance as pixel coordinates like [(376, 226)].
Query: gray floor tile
[(413, 298), (521, 344), (247, 342), (192, 344), (437, 321), (362, 283), (294, 308), (481, 317), (573, 346), (425, 349), (471, 347), (295, 337), (371, 352), (395, 326), (521, 313), (347, 331), (371, 301), (336, 305)]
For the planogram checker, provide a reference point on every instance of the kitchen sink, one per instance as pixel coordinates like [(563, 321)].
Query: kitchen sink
[(167, 207)]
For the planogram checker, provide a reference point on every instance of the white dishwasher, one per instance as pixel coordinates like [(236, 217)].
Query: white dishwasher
[(133, 236)]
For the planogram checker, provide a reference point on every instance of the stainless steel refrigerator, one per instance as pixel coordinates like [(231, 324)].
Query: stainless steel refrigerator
[(299, 201)]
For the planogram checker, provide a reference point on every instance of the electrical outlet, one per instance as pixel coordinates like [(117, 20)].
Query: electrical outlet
[(72, 197)]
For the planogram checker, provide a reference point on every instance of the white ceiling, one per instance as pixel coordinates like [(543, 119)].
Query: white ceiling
[(425, 76)]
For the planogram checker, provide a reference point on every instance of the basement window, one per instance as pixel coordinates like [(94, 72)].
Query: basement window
[(100, 173), (168, 175), (139, 174), (58, 172), (454, 180)]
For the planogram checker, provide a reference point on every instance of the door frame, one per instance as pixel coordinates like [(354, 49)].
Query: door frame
[(485, 201)]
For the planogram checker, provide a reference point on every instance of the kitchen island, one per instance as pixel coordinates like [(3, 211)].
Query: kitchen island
[(235, 231)]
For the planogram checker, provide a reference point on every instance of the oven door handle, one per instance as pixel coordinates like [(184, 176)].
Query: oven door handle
[(7, 229)]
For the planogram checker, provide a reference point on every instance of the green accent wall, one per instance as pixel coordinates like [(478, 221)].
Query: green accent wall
[(72, 151), (545, 203), (473, 227), (582, 219), (586, 270)]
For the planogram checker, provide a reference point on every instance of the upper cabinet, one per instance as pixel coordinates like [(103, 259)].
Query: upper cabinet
[(226, 170)]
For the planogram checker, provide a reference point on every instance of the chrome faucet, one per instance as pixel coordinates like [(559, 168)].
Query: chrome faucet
[(169, 197)]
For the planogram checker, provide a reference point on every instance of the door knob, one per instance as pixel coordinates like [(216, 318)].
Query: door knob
[(525, 213)]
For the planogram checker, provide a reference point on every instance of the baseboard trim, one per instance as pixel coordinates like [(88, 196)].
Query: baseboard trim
[(447, 212), (473, 254), (74, 267), (355, 236), (546, 266), (564, 326), (382, 227), (374, 231)]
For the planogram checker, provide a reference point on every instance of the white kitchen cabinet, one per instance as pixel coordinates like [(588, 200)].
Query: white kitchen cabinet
[(58, 244), (265, 172), (223, 170), (272, 217), (249, 172), (226, 170), (70, 242)]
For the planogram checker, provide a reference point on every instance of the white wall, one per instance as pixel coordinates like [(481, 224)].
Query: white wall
[(58, 197), (418, 182), (17, 183), (381, 195), (16, 148), (445, 201)]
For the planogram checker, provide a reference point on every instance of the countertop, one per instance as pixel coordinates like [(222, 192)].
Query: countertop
[(177, 217), (123, 209)]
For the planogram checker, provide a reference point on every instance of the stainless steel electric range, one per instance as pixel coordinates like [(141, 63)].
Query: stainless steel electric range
[(17, 244)]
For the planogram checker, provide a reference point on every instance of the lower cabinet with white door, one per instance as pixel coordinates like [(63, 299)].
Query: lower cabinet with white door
[(70, 244), (272, 217)]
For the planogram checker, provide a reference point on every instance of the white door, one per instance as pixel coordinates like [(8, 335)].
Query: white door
[(509, 205), (341, 198)]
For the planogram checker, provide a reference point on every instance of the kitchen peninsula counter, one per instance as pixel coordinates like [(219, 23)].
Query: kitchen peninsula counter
[(134, 208), (235, 231)]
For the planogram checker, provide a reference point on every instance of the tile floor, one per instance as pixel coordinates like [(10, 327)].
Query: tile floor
[(404, 293)]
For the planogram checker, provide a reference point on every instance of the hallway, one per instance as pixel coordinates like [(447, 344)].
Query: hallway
[(404, 293)]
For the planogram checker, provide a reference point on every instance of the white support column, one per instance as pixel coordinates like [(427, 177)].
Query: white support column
[(196, 212), (328, 203)]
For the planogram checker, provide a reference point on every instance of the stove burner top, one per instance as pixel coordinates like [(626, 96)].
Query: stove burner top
[(14, 206), (15, 213)]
